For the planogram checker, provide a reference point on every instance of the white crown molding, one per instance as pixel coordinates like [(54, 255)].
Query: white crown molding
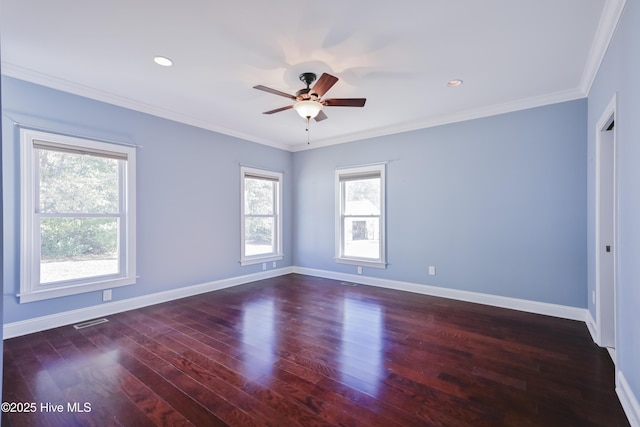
[(628, 400), (16, 329), (87, 92), (606, 29), (42, 79), (555, 310), (491, 110)]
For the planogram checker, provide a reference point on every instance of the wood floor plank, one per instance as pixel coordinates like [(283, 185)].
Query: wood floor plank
[(210, 374), (137, 356), (305, 351)]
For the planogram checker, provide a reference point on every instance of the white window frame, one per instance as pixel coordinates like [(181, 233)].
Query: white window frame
[(351, 173), (277, 254), (30, 287)]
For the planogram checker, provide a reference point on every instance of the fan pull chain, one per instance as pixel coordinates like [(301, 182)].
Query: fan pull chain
[(308, 138)]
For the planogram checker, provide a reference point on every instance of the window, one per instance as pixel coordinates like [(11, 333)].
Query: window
[(261, 220), (78, 216), (360, 210)]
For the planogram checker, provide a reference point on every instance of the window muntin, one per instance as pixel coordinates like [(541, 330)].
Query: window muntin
[(78, 215), (261, 219), (360, 209)]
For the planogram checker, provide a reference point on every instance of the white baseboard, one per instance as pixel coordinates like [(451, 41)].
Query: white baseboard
[(592, 327), (37, 324), (562, 311), (628, 400)]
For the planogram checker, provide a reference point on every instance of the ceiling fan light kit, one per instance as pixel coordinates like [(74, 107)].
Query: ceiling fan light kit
[(308, 109)]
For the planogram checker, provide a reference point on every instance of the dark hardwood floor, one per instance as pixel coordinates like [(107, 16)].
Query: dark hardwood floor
[(304, 351)]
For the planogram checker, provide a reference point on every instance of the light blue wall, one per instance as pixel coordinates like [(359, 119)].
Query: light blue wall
[(619, 74), (497, 204), (188, 193)]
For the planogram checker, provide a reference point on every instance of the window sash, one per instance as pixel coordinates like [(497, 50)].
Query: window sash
[(271, 209), (122, 179), (75, 273), (39, 145)]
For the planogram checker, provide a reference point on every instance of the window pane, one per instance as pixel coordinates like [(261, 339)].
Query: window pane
[(74, 248), (258, 196), (74, 183), (362, 237), (362, 197), (259, 236)]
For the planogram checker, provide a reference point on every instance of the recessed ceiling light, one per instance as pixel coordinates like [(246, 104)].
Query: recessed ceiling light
[(454, 83), (163, 60)]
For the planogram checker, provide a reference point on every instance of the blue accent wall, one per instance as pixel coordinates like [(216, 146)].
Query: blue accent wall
[(618, 74), (497, 204), (188, 194)]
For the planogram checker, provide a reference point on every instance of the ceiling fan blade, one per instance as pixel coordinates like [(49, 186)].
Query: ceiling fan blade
[(324, 83), (321, 116), (274, 91), (344, 102), (277, 110)]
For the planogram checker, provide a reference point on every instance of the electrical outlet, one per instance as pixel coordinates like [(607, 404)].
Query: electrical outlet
[(264, 265), (274, 264), (106, 295), (432, 270), (359, 270)]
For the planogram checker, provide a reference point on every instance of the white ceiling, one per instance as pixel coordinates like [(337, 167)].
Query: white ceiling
[(399, 55)]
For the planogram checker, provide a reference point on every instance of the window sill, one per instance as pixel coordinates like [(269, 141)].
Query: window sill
[(63, 291)]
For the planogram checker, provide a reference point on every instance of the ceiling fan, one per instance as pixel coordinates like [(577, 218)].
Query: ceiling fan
[(309, 102)]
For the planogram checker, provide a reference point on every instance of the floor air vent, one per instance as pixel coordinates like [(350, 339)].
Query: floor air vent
[(348, 283), (90, 323)]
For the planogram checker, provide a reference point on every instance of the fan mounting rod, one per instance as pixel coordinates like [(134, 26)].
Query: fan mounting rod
[(307, 78), (306, 93)]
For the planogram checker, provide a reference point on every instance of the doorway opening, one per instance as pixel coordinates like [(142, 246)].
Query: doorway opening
[(606, 234)]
